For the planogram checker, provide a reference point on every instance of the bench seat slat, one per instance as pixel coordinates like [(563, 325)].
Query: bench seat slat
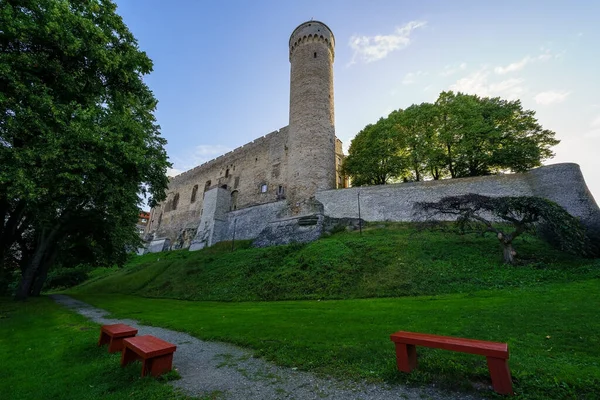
[(473, 346), (150, 346)]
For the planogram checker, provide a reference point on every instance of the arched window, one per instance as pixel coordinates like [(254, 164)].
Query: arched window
[(207, 185), (234, 197), (175, 201), (227, 173), (194, 191)]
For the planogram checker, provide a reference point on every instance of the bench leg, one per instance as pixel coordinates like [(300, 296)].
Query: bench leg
[(406, 357), (116, 344), (103, 339), (128, 356), (500, 374), (158, 365)]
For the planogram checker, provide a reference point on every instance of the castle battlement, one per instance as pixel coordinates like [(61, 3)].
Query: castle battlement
[(311, 32)]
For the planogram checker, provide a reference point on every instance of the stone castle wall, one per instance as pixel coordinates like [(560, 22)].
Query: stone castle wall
[(561, 183), (255, 173)]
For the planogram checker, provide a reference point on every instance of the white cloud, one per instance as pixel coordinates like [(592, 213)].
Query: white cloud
[(207, 152), (516, 66), (412, 77), (173, 172), (593, 134), (451, 70), (373, 48), (519, 65), (481, 83), (551, 97), (200, 154), (596, 122)]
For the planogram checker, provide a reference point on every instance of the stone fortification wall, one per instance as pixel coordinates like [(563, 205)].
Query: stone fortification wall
[(562, 183), (249, 222), (255, 173)]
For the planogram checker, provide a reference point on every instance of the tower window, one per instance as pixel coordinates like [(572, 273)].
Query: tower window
[(227, 173), (315, 55), (263, 188), (194, 191), (175, 201)]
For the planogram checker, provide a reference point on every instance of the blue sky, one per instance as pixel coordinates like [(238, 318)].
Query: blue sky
[(221, 68)]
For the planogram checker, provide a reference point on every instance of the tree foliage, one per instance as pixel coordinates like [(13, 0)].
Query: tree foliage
[(460, 135), (78, 138), (523, 214)]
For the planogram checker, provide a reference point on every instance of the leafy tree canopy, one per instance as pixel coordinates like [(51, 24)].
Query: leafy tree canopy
[(460, 135), (78, 138)]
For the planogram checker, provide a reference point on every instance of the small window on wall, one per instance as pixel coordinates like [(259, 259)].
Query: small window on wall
[(175, 201), (263, 188), (194, 191), (207, 185), (227, 173)]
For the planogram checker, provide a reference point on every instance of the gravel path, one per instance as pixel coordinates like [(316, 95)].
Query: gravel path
[(211, 367)]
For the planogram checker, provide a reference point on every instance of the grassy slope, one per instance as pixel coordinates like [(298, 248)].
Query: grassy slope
[(391, 262), (546, 309), (50, 353)]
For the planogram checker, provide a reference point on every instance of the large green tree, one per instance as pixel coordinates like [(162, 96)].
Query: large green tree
[(375, 156), (460, 135), (78, 138)]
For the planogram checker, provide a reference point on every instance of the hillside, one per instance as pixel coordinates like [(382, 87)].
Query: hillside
[(388, 260)]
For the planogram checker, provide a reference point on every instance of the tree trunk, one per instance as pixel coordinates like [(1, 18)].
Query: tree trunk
[(42, 274), (30, 272), (450, 162), (508, 252)]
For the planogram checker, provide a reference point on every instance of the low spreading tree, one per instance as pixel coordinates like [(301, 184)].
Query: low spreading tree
[(78, 137), (508, 218)]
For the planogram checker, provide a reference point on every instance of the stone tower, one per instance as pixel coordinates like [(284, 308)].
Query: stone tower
[(311, 153)]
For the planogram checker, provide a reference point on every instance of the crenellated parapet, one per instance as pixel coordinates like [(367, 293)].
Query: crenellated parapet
[(311, 32)]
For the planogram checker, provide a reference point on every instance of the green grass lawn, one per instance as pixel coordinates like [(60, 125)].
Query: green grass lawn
[(47, 352), (330, 306), (552, 331)]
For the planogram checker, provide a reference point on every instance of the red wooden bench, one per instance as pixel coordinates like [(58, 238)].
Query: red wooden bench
[(114, 335), (156, 354), (495, 352)]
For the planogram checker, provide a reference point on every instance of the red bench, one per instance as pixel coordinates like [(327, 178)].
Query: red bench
[(496, 354), (114, 335), (156, 354)]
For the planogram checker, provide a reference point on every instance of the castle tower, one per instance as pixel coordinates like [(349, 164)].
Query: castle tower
[(311, 142)]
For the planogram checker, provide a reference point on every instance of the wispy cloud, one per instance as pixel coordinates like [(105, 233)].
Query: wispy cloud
[(412, 77), (481, 83), (595, 129), (373, 48), (453, 69), (200, 154), (516, 66), (519, 65), (174, 172), (207, 152), (551, 97)]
